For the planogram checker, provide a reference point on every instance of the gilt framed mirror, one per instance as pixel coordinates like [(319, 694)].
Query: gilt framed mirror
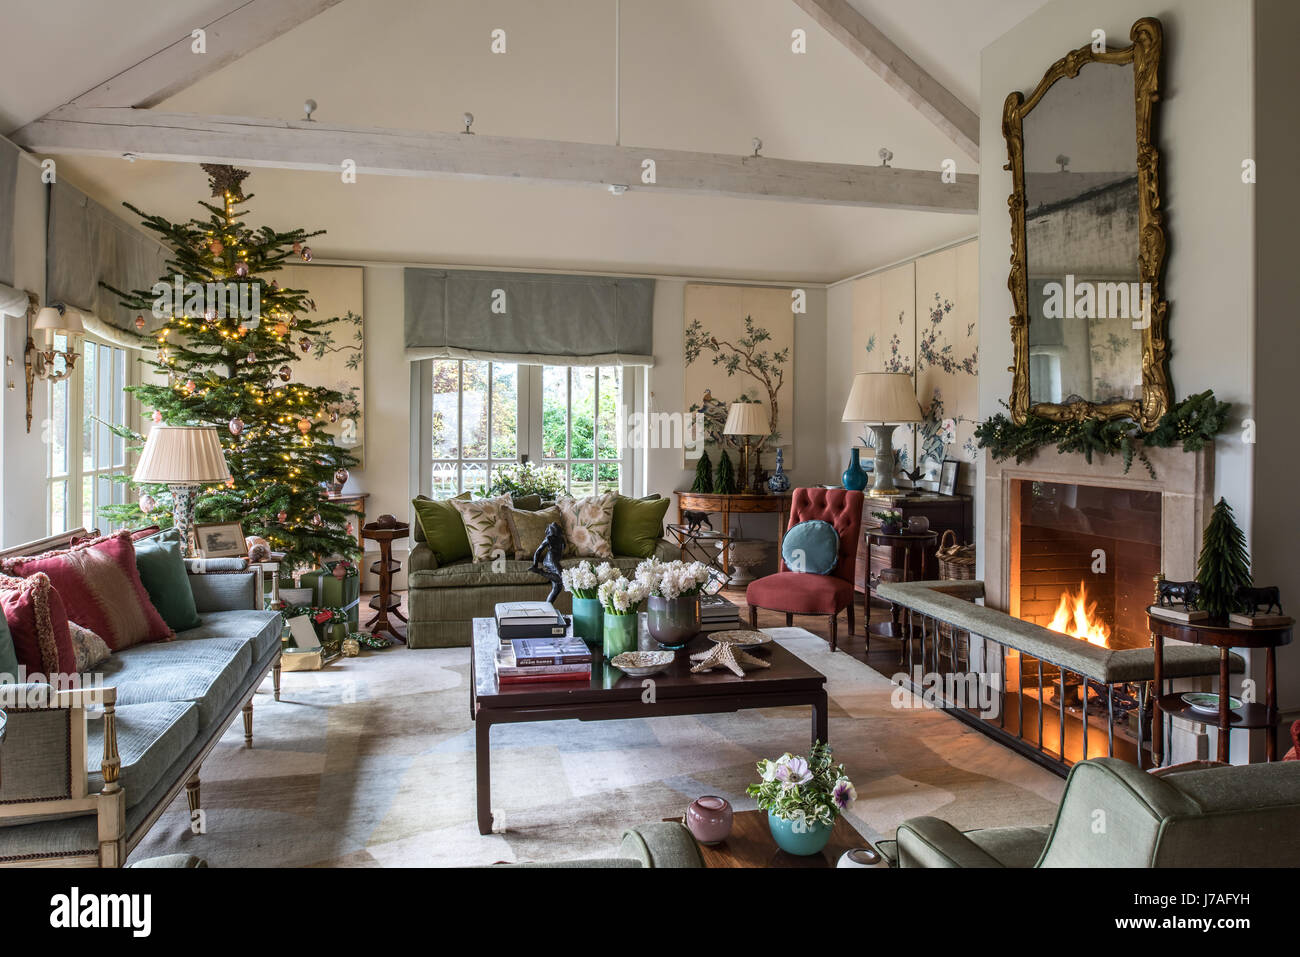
[(1088, 238)]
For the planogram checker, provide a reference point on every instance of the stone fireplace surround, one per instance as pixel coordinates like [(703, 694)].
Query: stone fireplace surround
[(1185, 481)]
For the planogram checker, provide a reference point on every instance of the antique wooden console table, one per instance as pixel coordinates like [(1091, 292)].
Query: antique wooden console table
[(739, 504)]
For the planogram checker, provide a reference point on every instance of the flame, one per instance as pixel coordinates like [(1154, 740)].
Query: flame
[(1075, 617)]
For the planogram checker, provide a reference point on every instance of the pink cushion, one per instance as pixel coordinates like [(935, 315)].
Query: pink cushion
[(38, 623), (100, 588), (842, 509), (800, 593)]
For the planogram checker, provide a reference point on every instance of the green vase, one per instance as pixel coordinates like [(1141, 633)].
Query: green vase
[(588, 621), (620, 634)]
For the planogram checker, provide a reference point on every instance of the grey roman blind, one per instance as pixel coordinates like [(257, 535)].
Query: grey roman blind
[(87, 245), (529, 317), (8, 208)]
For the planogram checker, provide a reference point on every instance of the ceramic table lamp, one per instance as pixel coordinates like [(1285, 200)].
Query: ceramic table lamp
[(882, 400), (184, 458)]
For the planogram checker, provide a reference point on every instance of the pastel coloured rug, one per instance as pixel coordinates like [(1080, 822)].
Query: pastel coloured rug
[(371, 763)]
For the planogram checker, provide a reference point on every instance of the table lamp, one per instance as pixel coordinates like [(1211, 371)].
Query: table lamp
[(747, 419), (184, 458), (882, 400)]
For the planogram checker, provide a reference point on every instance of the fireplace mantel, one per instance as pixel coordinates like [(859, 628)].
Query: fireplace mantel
[(1185, 481)]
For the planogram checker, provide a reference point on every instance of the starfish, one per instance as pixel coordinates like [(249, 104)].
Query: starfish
[(727, 656)]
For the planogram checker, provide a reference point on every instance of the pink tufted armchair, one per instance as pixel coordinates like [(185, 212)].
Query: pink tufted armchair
[(797, 593)]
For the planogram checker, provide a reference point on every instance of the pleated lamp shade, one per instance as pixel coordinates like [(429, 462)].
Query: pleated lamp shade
[(747, 418), (182, 455), (885, 397)]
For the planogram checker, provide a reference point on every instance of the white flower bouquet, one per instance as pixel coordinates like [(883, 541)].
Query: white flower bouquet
[(671, 580), (619, 596)]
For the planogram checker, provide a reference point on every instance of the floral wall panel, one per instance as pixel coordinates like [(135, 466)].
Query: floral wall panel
[(739, 344), (336, 359), (884, 336), (947, 357)]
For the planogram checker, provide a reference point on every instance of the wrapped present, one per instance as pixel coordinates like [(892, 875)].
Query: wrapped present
[(332, 590)]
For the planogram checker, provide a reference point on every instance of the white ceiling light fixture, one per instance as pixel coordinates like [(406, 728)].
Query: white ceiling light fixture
[(469, 121), (308, 109)]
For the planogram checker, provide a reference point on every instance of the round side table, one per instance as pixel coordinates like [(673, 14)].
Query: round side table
[(1250, 715), (385, 603), (906, 541)]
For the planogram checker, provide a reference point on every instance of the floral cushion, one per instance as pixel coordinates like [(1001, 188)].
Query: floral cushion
[(90, 649), (38, 623), (101, 589), (588, 524), (486, 527)]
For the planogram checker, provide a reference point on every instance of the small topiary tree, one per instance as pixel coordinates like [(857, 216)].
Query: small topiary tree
[(1224, 563), (724, 483), (703, 474)]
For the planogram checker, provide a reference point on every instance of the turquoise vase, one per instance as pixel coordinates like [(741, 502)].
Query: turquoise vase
[(587, 620), (807, 839), (620, 634), (855, 480)]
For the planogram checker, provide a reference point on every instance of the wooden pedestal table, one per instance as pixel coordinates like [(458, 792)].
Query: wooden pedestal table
[(385, 603), (923, 543), (1225, 637)]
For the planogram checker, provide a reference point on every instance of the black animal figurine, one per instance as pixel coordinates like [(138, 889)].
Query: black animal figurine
[(546, 559), (695, 519), (1250, 599), (1186, 592)]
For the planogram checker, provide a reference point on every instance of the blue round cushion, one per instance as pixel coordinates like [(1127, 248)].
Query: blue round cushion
[(812, 547)]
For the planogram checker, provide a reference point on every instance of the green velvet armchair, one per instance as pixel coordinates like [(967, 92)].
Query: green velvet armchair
[(1114, 815)]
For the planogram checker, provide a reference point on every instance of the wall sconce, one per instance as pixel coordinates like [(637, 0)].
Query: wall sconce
[(40, 364)]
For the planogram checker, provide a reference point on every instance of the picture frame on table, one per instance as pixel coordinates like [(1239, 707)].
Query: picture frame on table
[(221, 540), (948, 477)]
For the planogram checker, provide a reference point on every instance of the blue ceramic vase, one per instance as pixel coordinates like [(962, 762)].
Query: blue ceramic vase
[(588, 621), (779, 482), (855, 480), (803, 841)]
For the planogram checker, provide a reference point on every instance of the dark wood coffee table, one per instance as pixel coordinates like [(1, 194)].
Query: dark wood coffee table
[(611, 695), (750, 844)]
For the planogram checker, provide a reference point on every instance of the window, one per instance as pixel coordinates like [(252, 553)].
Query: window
[(484, 414), (82, 454)]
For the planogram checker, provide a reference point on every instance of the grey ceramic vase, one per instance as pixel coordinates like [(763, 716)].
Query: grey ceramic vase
[(673, 621)]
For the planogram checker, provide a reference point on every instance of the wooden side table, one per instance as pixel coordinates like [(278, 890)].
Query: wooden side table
[(740, 504), (922, 542), (385, 603), (1250, 715)]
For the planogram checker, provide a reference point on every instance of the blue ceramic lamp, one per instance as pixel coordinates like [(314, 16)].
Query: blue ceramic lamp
[(883, 400)]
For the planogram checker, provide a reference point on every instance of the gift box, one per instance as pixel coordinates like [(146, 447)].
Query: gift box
[(329, 591)]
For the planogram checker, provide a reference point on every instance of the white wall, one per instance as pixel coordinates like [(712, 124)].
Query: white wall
[(22, 466)]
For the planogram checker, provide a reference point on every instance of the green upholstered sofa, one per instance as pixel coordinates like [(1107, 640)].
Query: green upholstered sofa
[(443, 600), (1114, 815), (86, 771), (662, 844)]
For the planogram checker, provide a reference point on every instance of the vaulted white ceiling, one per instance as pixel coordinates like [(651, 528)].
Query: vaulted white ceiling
[(703, 75)]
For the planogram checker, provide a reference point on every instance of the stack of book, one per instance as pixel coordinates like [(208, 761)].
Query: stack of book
[(527, 660), (529, 619), (718, 614)]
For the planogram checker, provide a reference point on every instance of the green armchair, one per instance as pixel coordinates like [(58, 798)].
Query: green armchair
[(1114, 815)]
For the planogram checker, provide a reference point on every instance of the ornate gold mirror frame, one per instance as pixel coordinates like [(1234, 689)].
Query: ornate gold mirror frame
[(1144, 54)]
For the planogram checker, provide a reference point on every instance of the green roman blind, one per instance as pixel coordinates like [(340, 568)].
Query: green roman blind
[(529, 317)]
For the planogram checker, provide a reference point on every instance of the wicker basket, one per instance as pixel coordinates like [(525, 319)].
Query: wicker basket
[(956, 562)]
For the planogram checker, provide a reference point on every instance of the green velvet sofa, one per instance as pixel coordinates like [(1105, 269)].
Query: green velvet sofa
[(87, 771), (1114, 815), (443, 600)]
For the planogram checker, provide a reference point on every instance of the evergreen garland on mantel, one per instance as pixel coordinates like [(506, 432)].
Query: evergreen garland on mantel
[(1193, 422)]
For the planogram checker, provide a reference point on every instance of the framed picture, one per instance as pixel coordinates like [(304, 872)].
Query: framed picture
[(221, 540), (948, 477)]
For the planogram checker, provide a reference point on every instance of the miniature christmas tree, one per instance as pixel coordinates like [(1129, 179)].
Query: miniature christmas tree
[(1224, 564), (233, 368), (703, 474), (724, 483)]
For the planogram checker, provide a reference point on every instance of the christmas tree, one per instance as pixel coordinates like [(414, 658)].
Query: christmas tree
[(703, 474), (1224, 564), (233, 368), (724, 483)]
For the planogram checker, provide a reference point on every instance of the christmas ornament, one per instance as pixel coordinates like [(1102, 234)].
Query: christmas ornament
[(216, 247), (348, 528), (236, 425), (241, 270), (306, 254), (282, 517), (317, 520), (297, 247), (285, 373), (340, 570), (334, 416), (251, 358), (230, 482), (281, 328), (341, 477), (139, 322), (147, 503), (190, 386), (157, 416), (304, 344), (350, 648), (304, 426), (225, 180), (275, 284)]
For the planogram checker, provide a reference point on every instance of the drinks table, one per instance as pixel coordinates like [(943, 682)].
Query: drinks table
[(385, 603), (612, 695), (1250, 715)]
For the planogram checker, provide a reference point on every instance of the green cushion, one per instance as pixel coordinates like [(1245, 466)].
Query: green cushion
[(162, 571), (8, 657), (528, 528), (529, 503), (638, 525), (812, 547), (443, 527)]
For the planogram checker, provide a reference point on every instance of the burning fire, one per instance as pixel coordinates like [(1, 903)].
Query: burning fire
[(1075, 617)]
